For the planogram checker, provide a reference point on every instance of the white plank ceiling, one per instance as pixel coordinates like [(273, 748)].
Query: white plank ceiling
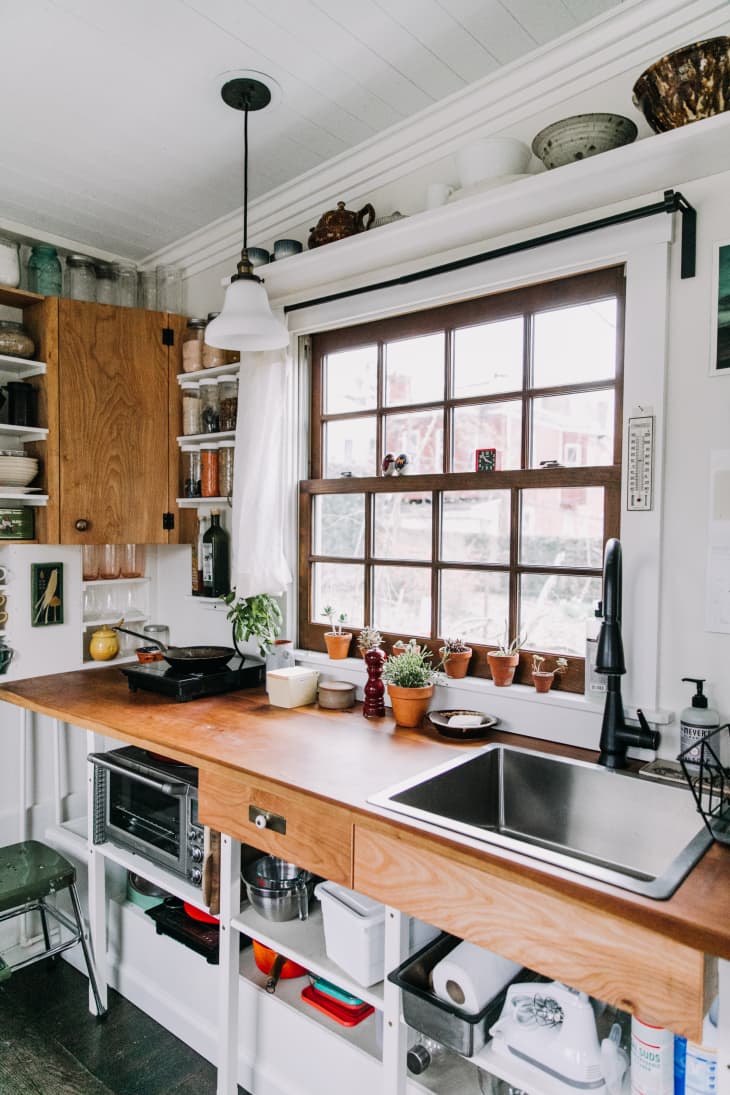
[(113, 132)]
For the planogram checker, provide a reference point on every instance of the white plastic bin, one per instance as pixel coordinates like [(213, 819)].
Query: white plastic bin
[(294, 686)]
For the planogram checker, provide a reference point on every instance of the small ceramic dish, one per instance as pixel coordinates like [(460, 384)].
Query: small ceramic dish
[(440, 721), (582, 136), (148, 654), (336, 695)]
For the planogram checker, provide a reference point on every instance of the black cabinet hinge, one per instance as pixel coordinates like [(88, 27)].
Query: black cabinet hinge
[(168, 336), (168, 521)]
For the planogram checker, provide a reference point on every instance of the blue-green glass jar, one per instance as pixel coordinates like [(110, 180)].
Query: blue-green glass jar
[(44, 271)]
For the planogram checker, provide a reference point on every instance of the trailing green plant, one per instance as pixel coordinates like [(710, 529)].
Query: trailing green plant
[(369, 639), (257, 617), (336, 619), (539, 665), (411, 669)]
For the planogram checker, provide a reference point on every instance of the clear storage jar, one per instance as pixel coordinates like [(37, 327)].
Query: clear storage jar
[(213, 356), (227, 402), (44, 271), (209, 409), (193, 345), (209, 456), (169, 288), (15, 340), (191, 409), (191, 470), (226, 458), (81, 277), (9, 263), (147, 290), (126, 273), (106, 283)]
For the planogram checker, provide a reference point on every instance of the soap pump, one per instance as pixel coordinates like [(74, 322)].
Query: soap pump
[(696, 721)]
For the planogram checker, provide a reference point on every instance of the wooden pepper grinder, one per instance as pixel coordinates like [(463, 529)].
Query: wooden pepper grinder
[(374, 691)]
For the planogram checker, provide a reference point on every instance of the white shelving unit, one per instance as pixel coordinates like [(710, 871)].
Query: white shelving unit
[(220, 370), (22, 434), (197, 503), (22, 500), (19, 368), (201, 438), (125, 599)]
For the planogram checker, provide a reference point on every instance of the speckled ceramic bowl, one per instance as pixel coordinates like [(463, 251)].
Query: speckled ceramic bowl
[(689, 84), (582, 136)]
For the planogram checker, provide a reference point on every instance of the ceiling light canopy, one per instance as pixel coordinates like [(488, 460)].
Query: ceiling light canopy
[(246, 321)]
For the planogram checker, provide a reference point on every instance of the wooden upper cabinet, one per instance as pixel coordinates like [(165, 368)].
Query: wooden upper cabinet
[(114, 378)]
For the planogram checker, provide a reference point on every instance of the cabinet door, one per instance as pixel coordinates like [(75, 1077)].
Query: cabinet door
[(113, 419)]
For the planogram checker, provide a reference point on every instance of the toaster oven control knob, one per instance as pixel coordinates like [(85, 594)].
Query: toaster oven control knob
[(196, 876), (193, 836), (196, 854)]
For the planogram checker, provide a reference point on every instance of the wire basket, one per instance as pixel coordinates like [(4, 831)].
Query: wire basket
[(709, 780)]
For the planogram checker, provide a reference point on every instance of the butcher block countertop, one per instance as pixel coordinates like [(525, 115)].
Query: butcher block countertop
[(326, 763)]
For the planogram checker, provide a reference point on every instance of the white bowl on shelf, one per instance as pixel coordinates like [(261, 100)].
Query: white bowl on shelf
[(17, 471)]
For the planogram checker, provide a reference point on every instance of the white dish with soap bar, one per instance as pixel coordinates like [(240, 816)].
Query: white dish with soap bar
[(292, 687)]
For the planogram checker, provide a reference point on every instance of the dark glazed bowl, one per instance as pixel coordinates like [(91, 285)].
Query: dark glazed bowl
[(685, 86)]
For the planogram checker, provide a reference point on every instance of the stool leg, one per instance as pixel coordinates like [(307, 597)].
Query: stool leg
[(101, 1011), (46, 935)]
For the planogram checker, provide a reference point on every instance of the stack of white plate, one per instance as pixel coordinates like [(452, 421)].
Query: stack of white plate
[(17, 471)]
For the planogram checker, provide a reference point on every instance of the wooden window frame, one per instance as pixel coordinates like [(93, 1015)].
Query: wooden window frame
[(563, 292)]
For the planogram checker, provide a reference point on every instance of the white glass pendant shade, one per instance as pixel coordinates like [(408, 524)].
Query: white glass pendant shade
[(246, 321)]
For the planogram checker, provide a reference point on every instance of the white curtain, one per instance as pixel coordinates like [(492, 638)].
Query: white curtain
[(260, 503)]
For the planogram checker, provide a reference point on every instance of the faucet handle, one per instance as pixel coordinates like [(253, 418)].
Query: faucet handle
[(653, 737)]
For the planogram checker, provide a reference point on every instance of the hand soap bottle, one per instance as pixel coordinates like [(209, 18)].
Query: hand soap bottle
[(696, 721)]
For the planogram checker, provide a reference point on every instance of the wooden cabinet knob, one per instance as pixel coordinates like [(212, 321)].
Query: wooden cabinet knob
[(82, 525)]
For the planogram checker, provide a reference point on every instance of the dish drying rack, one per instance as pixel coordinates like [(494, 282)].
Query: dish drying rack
[(709, 780)]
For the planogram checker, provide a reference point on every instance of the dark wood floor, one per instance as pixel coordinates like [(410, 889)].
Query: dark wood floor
[(50, 1044)]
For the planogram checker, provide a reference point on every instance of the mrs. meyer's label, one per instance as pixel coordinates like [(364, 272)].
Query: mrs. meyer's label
[(690, 735), (652, 1059)]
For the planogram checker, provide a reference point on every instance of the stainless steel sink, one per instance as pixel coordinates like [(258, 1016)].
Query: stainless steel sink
[(614, 826)]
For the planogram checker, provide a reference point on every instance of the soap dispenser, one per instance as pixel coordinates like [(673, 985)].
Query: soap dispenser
[(696, 721)]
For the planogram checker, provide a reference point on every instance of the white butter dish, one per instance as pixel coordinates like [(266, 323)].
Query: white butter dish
[(292, 687)]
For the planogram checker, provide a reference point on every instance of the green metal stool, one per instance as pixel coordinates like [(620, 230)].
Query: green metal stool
[(29, 872)]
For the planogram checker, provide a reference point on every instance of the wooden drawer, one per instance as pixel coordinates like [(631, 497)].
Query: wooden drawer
[(623, 963), (318, 835)]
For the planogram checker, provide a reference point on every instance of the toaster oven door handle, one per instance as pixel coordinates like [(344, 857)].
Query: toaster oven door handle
[(138, 773)]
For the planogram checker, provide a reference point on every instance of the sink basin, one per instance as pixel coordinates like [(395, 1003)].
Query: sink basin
[(613, 826)]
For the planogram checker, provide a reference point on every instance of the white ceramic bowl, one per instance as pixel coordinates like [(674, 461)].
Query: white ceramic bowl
[(582, 136), (17, 471), (490, 158)]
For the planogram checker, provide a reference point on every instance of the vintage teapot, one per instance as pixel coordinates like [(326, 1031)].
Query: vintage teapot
[(337, 224)]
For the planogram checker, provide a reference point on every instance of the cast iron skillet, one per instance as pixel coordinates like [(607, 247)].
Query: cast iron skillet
[(195, 659)]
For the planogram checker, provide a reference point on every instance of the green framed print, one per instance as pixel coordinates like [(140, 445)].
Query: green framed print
[(46, 594), (720, 361)]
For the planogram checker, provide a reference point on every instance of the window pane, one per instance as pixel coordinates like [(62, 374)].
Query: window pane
[(576, 344), (339, 525), (421, 436), (340, 585), (351, 380), (474, 605), (562, 527), (576, 430), (349, 445), (488, 426), (475, 526), (415, 370), (554, 610), (402, 526), (488, 358), (402, 600)]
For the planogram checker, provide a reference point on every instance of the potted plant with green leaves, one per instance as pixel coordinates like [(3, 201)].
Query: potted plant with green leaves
[(257, 617), (336, 640), (504, 660), (410, 678), (543, 678), (455, 658)]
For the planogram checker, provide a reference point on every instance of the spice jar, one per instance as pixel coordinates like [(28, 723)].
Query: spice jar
[(225, 468), (106, 283), (209, 470), (9, 263), (213, 356), (227, 402), (191, 408), (81, 277), (44, 271), (191, 470), (15, 340), (126, 274), (209, 410), (192, 346)]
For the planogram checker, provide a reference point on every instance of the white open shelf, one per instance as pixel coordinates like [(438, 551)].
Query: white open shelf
[(23, 433), (200, 438), (93, 583), (201, 374), (140, 865), (125, 659), (19, 368), (196, 503), (131, 618), (303, 941), (24, 499)]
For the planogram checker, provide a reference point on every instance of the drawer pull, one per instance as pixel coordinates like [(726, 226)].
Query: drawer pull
[(263, 819)]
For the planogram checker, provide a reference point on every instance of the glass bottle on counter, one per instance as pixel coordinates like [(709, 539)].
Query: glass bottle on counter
[(209, 470), (191, 409), (216, 563), (191, 470), (209, 409), (44, 271), (226, 455), (192, 346), (81, 277), (106, 283), (227, 402)]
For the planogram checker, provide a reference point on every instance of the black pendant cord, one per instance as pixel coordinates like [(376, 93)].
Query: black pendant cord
[(672, 202), (245, 179)]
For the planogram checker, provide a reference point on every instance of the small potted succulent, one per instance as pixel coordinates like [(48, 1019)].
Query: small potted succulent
[(369, 639), (504, 660), (400, 646), (337, 640), (455, 658), (543, 678), (410, 678)]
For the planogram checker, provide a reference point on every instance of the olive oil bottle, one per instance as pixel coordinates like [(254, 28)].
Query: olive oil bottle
[(216, 558)]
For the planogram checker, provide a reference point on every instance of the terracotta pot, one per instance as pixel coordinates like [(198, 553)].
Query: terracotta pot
[(409, 704), (542, 680), (456, 665), (502, 667), (338, 646)]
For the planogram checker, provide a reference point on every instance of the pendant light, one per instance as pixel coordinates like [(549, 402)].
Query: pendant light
[(246, 321)]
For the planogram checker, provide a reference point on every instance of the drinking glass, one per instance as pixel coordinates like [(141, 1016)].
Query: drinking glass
[(110, 561), (90, 562), (132, 560)]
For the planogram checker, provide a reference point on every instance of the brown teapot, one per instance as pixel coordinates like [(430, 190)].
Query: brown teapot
[(337, 224)]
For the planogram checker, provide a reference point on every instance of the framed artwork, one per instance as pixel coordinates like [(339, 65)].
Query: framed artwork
[(46, 594), (485, 460), (720, 330)]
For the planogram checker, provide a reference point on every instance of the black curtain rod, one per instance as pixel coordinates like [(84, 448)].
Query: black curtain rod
[(672, 202)]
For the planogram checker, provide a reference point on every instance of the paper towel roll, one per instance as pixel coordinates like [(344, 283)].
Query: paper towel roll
[(470, 976)]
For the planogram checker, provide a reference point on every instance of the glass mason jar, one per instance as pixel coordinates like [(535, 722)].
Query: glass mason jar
[(147, 290), (227, 402), (15, 340), (9, 263), (126, 273), (159, 633), (192, 346), (225, 468), (44, 271), (81, 277), (133, 560), (169, 288), (191, 470), (191, 408), (106, 283), (209, 470), (209, 409), (213, 356)]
